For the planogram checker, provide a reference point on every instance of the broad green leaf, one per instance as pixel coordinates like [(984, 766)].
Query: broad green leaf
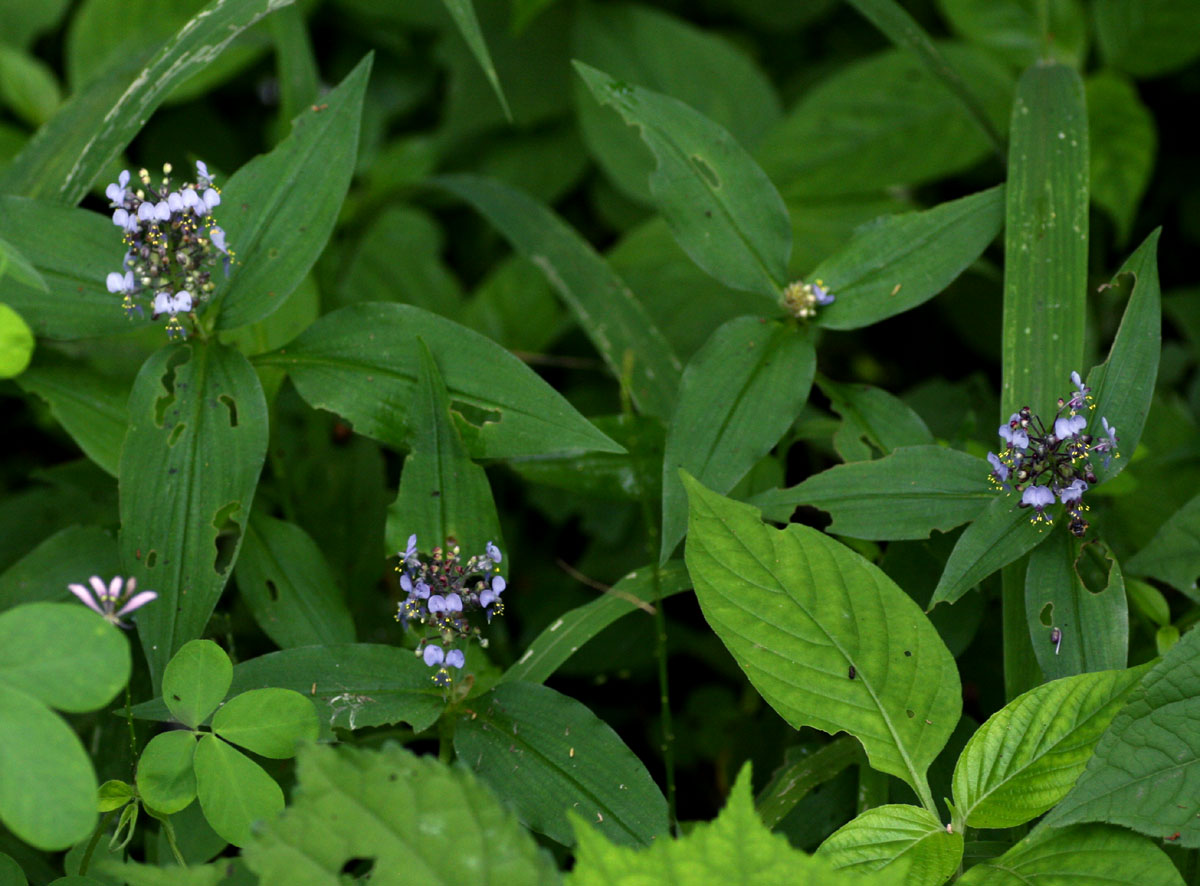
[(362, 362), (721, 207), (736, 849), (196, 680), (10, 871), (1022, 32), (570, 631), (609, 314), (1026, 757), (89, 405), (884, 835), (419, 819), (1147, 38), (280, 208), (63, 654), (268, 722), (1084, 854), (1123, 145), (463, 14), (1001, 533), (907, 494), (63, 160), (1046, 225), (68, 556), (792, 781), (166, 780), (873, 421), (885, 121), (443, 494), (739, 395), (289, 587), (354, 685), (906, 259), (639, 44), (1123, 384), (47, 785), (826, 638), (189, 467), (73, 265), (545, 753), (1145, 773), (133, 874), (28, 86), (13, 264), (1080, 590), (1173, 556), (235, 792), (16, 343)]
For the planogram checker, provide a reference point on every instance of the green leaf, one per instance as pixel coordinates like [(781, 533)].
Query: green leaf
[(10, 871), (1078, 589), (419, 819), (62, 161), (734, 850), (235, 792), (289, 587), (13, 264), (1022, 32), (739, 395), (1046, 225), (609, 314), (1123, 145), (827, 639), (65, 557), (280, 208), (1000, 534), (28, 86), (570, 631), (721, 207), (189, 467), (1147, 38), (1145, 773), (133, 874), (907, 259), (463, 14), (1124, 383), (47, 785), (793, 781), (545, 753), (1026, 757), (1087, 854), (884, 835), (113, 794), (268, 722), (702, 69), (16, 343), (166, 780), (20, 22), (196, 680), (872, 421), (1172, 556), (63, 654), (362, 362), (907, 494), (443, 494)]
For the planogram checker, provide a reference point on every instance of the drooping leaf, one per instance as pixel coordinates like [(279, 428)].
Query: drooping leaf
[(826, 638), (195, 681), (235, 793), (267, 722), (1173, 556), (885, 835), (166, 779)]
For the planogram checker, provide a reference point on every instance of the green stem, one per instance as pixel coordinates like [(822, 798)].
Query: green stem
[(133, 754), (91, 846), (169, 830)]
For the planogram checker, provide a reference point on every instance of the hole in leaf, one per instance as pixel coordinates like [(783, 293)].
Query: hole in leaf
[(151, 559), (1093, 566), (476, 415), (231, 405), (706, 172), (229, 533), (910, 714), (176, 433), (1046, 616), (167, 400), (272, 591), (359, 868)]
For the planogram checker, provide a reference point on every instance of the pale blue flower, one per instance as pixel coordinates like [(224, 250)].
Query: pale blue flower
[(1039, 498), (116, 192), (118, 282), (1073, 492), (1069, 426), (493, 553), (1017, 436), (433, 655), (1079, 397), (456, 659)]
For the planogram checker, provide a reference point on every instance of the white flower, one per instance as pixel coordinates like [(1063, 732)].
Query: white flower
[(116, 191), (118, 282)]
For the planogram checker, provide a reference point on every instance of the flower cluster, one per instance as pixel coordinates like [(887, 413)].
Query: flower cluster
[(173, 244), (1044, 463), (442, 592), (802, 299), (105, 599)]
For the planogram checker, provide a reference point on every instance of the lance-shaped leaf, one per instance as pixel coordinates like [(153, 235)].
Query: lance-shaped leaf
[(719, 204), (1026, 757), (1078, 589), (905, 495), (1083, 854), (610, 315), (362, 362), (1124, 383), (546, 754), (740, 393), (884, 835), (62, 161), (1173, 556), (443, 494), (464, 17), (189, 467), (872, 420), (279, 209), (13, 264), (1145, 773), (907, 259), (825, 636)]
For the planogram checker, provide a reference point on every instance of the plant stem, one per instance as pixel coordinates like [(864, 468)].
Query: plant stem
[(91, 846)]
